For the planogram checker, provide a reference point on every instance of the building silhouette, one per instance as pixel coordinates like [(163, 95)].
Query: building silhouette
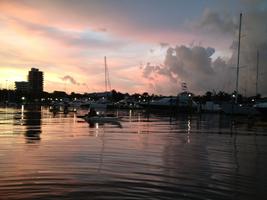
[(22, 86), (36, 81)]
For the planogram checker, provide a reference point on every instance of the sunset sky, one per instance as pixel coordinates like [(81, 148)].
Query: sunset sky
[(151, 45)]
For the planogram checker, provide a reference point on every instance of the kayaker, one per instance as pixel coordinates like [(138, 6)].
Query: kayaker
[(92, 112)]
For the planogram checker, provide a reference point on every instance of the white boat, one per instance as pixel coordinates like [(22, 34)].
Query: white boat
[(182, 103), (163, 103)]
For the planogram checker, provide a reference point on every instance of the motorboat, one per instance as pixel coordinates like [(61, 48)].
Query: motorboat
[(163, 103), (182, 103)]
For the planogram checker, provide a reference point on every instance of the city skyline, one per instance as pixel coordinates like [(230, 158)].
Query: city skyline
[(151, 46)]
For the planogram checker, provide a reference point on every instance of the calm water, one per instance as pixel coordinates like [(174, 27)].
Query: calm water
[(188, 157)]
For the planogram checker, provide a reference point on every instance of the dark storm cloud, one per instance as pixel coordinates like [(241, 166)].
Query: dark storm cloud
[(188, 64), (70, 79)]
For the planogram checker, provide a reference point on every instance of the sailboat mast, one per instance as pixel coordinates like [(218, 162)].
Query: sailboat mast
[(257, 75), (105, 60), (238, 53)]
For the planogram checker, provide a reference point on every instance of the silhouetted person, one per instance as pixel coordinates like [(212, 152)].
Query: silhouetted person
[(66, 108), (92, 113)]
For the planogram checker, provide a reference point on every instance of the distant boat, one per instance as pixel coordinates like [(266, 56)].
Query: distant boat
[(182, 103), (163, 103), (127, 103), (186, 103)]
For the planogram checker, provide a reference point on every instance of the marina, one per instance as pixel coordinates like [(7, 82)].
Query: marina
[(133, 100)]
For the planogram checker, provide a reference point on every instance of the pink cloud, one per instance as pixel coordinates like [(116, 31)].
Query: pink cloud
[(76, 17)]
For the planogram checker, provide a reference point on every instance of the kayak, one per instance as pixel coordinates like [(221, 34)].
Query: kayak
[(101, 119)]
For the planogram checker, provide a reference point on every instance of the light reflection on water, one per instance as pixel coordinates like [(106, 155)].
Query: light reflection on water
[(46, 156)]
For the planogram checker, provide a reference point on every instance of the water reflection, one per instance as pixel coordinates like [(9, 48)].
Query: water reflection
[(32, 120), (187, 157), (188, 131), (97, 124)]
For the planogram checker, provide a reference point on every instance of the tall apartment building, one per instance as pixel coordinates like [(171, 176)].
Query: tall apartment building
[(36, 81)]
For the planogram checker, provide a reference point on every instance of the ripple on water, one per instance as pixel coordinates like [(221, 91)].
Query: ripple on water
[(189, 157)]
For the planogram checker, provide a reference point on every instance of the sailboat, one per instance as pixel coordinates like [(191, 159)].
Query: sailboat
[(103, 102), (261, 105), (235, 108)]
